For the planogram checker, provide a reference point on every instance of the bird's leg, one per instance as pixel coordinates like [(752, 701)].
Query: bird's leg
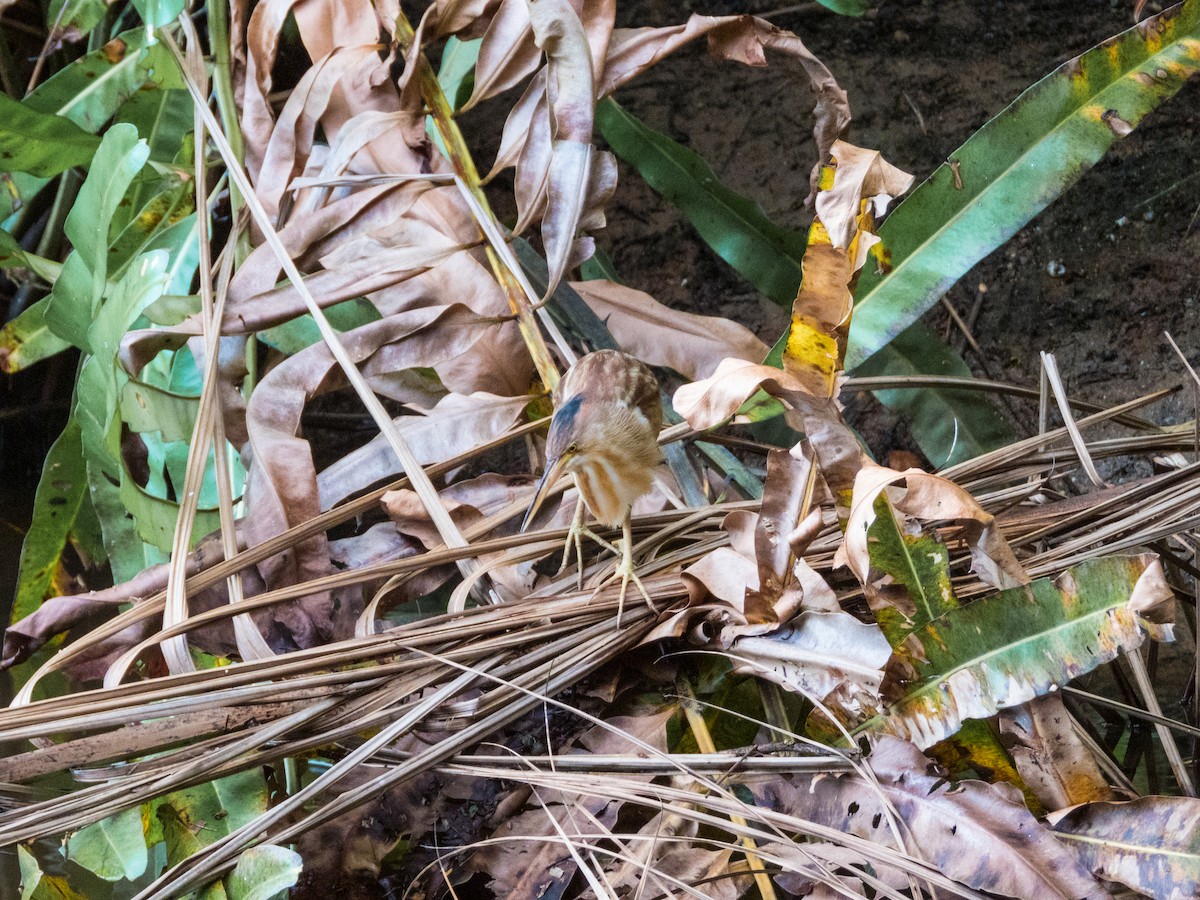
[(575, 537), (625, 568)]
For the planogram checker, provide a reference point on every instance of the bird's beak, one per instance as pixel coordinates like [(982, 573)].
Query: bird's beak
[(554, 470)]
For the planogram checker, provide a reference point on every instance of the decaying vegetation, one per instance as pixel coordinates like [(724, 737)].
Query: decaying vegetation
[(323, 667)]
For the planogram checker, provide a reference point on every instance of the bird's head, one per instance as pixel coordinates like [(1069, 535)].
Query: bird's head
[(573, 436)]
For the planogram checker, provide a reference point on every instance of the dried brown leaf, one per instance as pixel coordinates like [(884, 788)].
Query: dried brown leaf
[(457, 424), (1049, 755), (508, 53), (1150, 845), (281, 486), (707, 403), (692, 345), (976, 833)]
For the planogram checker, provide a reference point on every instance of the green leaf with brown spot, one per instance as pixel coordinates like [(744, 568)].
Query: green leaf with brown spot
[(1015, 645), (913, 587), (1014, 167), (61, 492)]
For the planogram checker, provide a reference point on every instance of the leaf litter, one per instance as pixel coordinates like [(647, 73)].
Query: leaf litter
[(407, 705)]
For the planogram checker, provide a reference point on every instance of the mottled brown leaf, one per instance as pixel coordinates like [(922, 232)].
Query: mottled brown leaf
[(976, 833)]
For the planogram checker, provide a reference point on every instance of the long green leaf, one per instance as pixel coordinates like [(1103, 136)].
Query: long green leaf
[(82, 281), (950, 426), (1010, 647), (735, 227), (61, 491), (91, 89), (1015, 166), (40, 144)]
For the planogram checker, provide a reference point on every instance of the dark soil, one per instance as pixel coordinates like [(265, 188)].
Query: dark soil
[(1095, 279)]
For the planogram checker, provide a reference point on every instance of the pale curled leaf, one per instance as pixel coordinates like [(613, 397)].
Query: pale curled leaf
[(861, 174), (815, 653), (976, 833), (691, 344), (571, 101), (707, 403)]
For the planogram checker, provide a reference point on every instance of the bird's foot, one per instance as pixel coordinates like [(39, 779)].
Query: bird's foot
[(627, 573), (575, 535)]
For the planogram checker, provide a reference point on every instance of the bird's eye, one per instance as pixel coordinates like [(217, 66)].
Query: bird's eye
[(574, 448)]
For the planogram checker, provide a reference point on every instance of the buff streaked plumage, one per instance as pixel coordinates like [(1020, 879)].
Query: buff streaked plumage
[(604, 433)]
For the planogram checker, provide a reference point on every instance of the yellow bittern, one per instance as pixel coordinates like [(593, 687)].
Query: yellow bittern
[(604, 432)]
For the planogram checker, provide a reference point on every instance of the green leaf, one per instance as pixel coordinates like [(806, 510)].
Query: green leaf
[(156, 13), (27, 339), (1010, 647), (294, 335), (211, 810), (84, 15), (847, 7), (89, 90), (113, 848), (264, 871), (736, 228), (456, 74), (61, 492), (1015, 166), (919, 565), (147, 407), (82, 281), (37, 885), (127, 553), (42, 145), (11, 254), (163, 118), (949, 425)]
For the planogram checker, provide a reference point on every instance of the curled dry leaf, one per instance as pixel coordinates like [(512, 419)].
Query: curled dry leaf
[(980, 835), (861, 175), (738, 38), (929, 498), (526, 857), (570, 96), (713, 400), (281, 488), (856, 186), (1150, 845), (291, 140), (508, 53), (692, 345)]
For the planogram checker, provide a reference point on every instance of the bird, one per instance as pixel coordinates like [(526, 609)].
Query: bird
[(604, 433)]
